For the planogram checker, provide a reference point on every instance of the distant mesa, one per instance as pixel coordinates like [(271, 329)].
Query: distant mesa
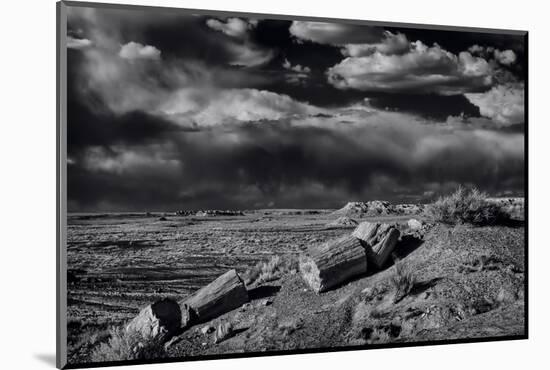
[(185, 213), (377, 208), (343, 221), (217, 212), (295, 212), (209, 212)]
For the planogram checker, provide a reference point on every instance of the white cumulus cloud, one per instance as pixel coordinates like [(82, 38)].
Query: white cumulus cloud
[(208, 107), (74, 43), (234, 27), (504, 104), (249, 55), (298, 74), (391, 44), (422, 69), (335, 33), (505, 57), (296, 68), (135, 50), (245, 52)]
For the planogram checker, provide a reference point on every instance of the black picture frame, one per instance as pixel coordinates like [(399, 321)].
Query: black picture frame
[(61, 189)]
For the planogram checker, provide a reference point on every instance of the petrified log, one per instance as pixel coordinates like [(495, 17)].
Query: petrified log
[(333, 263), (222, 295), (160, 319), (378, 239)]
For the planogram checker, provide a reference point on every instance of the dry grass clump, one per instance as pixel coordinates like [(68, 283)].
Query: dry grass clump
[(128, 345), (466, 205), (273, 269), (379, 336), (403, 281), (289, 326), (375, 335)]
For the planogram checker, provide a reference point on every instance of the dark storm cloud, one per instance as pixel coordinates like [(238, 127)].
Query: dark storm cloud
[(277, 156), (178, 111), (179, 36), (89, 128), (431, 106), (91, 121), (291, 164)]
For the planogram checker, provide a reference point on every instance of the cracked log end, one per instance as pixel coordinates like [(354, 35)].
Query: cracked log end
[(333, 263)]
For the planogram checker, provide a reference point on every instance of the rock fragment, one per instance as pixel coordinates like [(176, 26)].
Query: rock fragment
[(160, 319)]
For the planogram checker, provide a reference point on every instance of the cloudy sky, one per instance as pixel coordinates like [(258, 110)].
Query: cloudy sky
[(169, 111)]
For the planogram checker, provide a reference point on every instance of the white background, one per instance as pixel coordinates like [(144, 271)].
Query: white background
[(27, 209)]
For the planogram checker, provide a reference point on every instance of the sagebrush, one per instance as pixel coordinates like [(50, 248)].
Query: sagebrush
[(466, 206), (128, 345), (403, 281), (273, 269)]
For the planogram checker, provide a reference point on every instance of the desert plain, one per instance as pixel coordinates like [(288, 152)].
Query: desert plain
[(467, 281)]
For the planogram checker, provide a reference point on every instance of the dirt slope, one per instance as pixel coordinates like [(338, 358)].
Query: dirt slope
[(469, 283)]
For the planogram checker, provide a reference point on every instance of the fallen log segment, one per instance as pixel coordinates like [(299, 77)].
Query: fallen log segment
[(160, 320), (333, 263), (378, 239), (222, 295)]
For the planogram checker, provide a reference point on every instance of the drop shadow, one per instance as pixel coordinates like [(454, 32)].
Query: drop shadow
[(422, 286), (46, 358), (512, 223), (236, 332), (263, 291), (233, 334), (407, 245)]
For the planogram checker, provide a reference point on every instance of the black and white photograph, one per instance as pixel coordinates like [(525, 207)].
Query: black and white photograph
[(245, 185)]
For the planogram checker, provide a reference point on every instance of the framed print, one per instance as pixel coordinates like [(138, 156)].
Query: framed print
[(235, 184)]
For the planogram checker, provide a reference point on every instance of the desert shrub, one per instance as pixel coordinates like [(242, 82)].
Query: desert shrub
[(380, 336), (88, 338), (271, 270), (375, 335), (289, 326), (466, 205), (403, 281), (128, 345)]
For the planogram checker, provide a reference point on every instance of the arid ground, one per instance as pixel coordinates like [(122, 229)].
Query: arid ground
[(469, 281)]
